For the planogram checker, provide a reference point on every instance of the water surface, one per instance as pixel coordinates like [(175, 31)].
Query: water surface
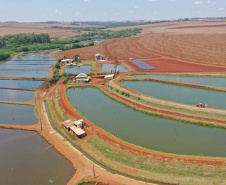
[(15, 114), (27, 159), (25, 67), (210, 81), (147, 131), (78, 70), (113, 67), (179, 94), (24, 84), (27, 74), (16, 95)]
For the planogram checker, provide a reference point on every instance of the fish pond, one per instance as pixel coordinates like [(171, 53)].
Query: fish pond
[(113, 67), (209, 81), (78, 70), (26, 74), (16, 95), (147, 131), (25, 67), (179, 94), (15, 114), (26, 158), (24, 84)]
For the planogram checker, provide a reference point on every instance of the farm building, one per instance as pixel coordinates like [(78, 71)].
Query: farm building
[(111, 76), (82, 77), (99, 56), (79, 123), (78, 131), (67, 61), (67, 124)]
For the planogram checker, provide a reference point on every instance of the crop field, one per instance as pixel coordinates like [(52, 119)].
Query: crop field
[(201, 41), (122, 48), (199, 48), (37, 28)]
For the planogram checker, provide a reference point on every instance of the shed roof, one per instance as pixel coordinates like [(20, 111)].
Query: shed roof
[(67, 123), (98, 54), (77, 131)]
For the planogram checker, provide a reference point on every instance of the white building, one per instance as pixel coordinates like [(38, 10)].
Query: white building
[(107, 77), (99, 56), (78, 131), (67, 61), (79, 123), (82, 77)]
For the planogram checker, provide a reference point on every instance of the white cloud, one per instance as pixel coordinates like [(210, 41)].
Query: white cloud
[(211, 2), (198, 2), (154, 13), (131, 11), (136, 6), (152, 0), (220, 9), (86, 0)]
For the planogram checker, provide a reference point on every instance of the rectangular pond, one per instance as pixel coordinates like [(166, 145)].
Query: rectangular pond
[(78, 70), (26, 158), (113, 67), (24, 84), (209, 81), (27, 74), (16, 95), (150, 132), (31, 61), (25, 67), (179, 94), (15, 114)]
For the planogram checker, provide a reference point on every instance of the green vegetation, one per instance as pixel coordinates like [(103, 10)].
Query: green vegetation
[(149, 166), (112, 24)]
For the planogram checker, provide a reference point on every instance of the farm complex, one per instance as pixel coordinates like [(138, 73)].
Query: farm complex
[(145, 108)]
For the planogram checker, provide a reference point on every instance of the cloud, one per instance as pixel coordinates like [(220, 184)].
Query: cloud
[(198, 2), (131, 11), (220, 9), (136, 6), (152, 0), (86, 1), (211, 2)]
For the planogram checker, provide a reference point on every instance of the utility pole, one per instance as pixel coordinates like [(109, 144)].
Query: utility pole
[(94, 171)]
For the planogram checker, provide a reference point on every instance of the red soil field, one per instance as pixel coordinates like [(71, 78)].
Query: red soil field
[(122, 48), (174, 66), (203, 26)]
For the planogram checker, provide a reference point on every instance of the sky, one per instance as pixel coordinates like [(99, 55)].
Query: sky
[(108, 10)]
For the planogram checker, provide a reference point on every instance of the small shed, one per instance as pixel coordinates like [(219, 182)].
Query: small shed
[(67, 124), (111, 76), (79, 123), (78, 131), (99, 56)]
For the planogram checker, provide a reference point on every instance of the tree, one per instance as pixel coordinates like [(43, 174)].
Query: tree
[(57, 66), (77, 58)]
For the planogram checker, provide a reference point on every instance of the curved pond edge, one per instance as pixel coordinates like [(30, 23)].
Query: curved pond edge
[(164, 107), (140, 110)]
